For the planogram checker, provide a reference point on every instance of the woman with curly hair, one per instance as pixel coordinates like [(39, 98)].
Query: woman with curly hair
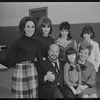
[(21, 56)]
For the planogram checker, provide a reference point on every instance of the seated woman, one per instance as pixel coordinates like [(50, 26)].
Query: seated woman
[(72, 74), (88, 72)]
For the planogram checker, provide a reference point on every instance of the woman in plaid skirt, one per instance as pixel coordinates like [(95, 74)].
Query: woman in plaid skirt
[(21, 55)]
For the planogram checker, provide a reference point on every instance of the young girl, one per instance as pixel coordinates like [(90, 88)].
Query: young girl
[(72, 74), (88, 34), (44, 39), (88, 86), (65, 39), (21, 55)]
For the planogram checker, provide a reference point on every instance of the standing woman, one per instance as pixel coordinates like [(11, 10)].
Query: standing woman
[(21, 55), (65, 39), (44, 39), (88, 34)]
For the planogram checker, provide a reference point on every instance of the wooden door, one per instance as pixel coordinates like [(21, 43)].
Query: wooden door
[(38, 12)]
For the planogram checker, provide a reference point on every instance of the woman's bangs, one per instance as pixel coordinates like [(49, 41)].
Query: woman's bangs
[(45, 24)]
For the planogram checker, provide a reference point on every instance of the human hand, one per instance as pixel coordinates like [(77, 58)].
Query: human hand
[(74, 91), (50, 76), (83, 87), (35, 59), (44, 58), (79, 90), (49, 72)]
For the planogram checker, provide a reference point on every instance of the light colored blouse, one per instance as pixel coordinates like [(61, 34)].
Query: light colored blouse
[(94, 57), (64, 45)]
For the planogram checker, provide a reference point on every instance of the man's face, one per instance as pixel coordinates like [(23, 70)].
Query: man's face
[(53, 52)]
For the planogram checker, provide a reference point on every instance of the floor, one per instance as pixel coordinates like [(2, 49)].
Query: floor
[(5, 83)]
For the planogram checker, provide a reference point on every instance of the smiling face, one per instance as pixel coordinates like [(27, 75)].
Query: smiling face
[(71, 57), (64, 33), (87, 36), (45, 30), (29, 28), (53, 52), (83, 54)]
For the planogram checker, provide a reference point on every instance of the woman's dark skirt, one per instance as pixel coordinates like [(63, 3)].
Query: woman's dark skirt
[(68, 92)]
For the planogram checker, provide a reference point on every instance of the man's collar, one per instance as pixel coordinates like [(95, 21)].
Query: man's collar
[(53, 60)]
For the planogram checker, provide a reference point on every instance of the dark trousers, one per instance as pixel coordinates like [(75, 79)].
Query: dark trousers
[(50, 92), (58, 92)]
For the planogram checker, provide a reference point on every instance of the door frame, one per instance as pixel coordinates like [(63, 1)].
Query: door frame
[(38, 9)]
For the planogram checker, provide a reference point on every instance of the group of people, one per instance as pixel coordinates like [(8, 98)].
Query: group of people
[(49, 68)]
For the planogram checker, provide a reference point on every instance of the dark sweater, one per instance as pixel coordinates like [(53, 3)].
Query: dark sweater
[(44, 43), (24, 49)]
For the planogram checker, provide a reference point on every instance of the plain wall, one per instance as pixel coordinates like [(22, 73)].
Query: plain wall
[(74, 12)]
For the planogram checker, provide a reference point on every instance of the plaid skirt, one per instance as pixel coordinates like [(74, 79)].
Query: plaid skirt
[(24, 81)]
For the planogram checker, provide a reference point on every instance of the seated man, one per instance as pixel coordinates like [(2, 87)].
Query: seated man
[(51, 83)]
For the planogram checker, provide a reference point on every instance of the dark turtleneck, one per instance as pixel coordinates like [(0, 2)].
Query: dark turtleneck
[(44, 43), (24, 48)]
